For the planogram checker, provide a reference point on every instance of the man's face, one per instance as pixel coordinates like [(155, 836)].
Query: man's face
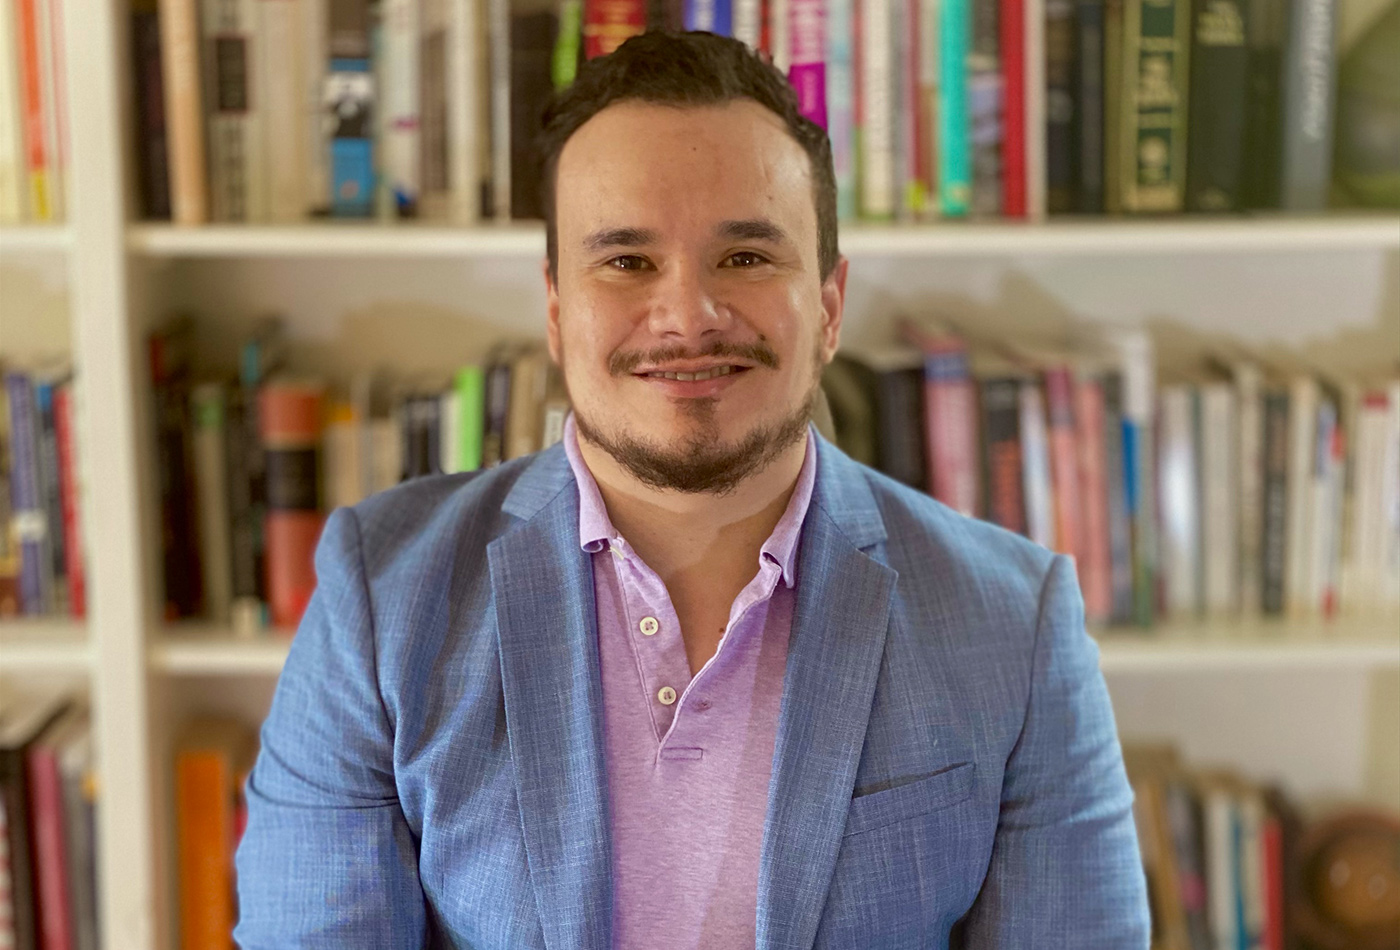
[(687, 245)]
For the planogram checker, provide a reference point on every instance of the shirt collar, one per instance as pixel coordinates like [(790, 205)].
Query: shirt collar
[(596, 531)]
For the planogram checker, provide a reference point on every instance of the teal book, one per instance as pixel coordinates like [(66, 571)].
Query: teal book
[(954, 131)]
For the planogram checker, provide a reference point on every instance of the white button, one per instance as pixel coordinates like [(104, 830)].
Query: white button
[(667, 695), (649, 626)]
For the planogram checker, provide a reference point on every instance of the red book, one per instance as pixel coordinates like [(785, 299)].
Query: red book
[(1064, 460), (290, 421), (1096, 567), (607, 24), (53, 904), (1013, 116), (1271, 841), (69, 499)]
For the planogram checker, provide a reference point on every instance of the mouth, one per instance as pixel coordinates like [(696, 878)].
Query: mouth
[(693, 380), (693, 375)]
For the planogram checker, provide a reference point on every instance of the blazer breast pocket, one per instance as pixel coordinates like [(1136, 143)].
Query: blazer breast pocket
[(923, 795)]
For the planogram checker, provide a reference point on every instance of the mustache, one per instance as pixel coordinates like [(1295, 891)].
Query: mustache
[(622, 363)]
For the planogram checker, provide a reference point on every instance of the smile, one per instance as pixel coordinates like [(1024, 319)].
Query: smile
[(695, 377)]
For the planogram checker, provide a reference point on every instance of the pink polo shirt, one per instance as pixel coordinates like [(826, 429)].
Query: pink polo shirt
[(688, 758)]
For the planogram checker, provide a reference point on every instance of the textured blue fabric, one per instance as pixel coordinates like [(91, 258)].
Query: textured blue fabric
[(946, 771)]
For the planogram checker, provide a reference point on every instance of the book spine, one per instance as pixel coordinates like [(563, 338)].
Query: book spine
[(607, 24), (985, 91), (807, 72), (779, 43), (211, 496), (1034, 91), (28, 522), (55, 103), (470, 386), (1095, 568), (37, 148), (290, 420), (929, 51), (184, 112), (79, 781), (1064, 464), (152, 160), (341, 454), (13, 208), (435, 196), (1087, 139), (386, 452), (955, 151), (1061, 108), (498, 34), (316, 122), (1001, 443), (281, 51), (876, 140), (1116, 484), (467, 107), (1390, 504), (1220, 502), (1219, 84), (1274, 544), (1309, 94), (1114, 93), (204, 826), (349, 98), (747, 17), (1249, 401), (1302, 448), (1035, 454), (1265, 25), (1327, 505), (450, 431), (51, 493), (14, 791), (1012, 43), (402, 149), (233, 159), (1152, 144), (245, 520), (840, 95), (70, 499), (1180, 539), (1271, 858), (1219, 808), (951, 419), (9, 939), (52, 904), (899, 412)]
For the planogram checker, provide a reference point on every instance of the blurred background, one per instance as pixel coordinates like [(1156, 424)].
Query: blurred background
[(1125, 278)]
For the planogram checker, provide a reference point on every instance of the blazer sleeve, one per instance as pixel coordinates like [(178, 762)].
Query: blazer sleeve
[(327, 859), (1065, 869)]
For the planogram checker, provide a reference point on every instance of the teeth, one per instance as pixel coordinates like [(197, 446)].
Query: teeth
[(695, 377)]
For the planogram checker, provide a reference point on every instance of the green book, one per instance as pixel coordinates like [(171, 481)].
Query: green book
[(1151, 145), (954, 129), (470, 386)]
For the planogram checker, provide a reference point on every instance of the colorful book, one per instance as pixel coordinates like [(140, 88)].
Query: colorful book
[(807, 66), (290, 420), (985, 92), (48, 829), (1095, 564), (29, 516), (1116, 466), (954, 140), (51, 491), (950, 418), (1013, 60), (349, 101), (54, 81), (607, 24)]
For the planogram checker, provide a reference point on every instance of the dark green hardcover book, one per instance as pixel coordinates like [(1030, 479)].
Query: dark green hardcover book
[(1114, 94), (1265, 26), (1089, 105), (1150, 148), (1219, 85), (1060, 172)]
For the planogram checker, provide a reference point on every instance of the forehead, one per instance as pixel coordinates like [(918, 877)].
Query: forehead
[(656, 165)]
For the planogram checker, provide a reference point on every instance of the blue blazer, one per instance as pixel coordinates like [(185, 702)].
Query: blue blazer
[(946, 770)]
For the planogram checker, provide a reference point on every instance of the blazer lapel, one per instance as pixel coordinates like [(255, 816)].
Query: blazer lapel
[(546, 625), (837, 641)]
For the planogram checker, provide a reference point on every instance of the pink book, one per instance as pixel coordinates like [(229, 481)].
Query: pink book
[(55, 912), (807, 65), (1096, 567), (1064, 459), (950, 408)]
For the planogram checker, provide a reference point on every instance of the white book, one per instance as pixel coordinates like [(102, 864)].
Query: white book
[(1366, 544), (1218, 805), (234, 142), (402, 158), (779, 34), (51, 80), (449, 433), (1219, 467), (1328, 481), (13, 203), (1249, 401), (876, 92), (281, 49), (468, 105), (319, 125), (1035, 461), (341, 450), (386, 450), (746, 20), (1180, 508), (1251, 867), (498, 23), (211, 494), (1298, 524)]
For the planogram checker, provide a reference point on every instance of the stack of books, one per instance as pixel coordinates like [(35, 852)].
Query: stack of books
[(41, 535), (255, 111)]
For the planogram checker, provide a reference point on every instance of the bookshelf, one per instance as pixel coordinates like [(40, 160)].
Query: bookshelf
[(1284, 700)]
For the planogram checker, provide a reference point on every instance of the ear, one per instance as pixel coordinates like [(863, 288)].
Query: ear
[(551, 291), (833, 308)]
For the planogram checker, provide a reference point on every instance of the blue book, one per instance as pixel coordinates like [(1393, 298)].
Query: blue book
[(30, 521), (713, 16)]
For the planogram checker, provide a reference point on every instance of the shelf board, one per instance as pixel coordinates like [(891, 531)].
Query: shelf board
[(213, 650), (43, 644), (32, 238), (1087, 236)]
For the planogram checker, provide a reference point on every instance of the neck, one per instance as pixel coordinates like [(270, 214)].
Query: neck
[(674, 532)]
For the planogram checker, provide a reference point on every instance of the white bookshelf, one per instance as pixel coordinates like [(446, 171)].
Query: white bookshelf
[(1305, 697)]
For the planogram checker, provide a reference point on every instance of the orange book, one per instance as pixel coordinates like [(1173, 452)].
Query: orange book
[(290, 418), (211, 759), (36, 145)]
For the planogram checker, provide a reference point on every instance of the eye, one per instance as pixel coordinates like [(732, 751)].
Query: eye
[(628, 262), (745, 259)]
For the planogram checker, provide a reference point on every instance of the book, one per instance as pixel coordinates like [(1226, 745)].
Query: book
[(1062, 105), (184, 111), (70, 497), (435, 196), (470, 386), (1095, 565), (1249, 401), (950, 419), (1273, 547), (341, 447), (209, 451), (229, 29), (1179, 467), (1091, 77), (607, 24), (807, 64), (1013, 22), (532, 37), (10, 604), (148, 89), (38, 146), (1219, 86), (840, 103), (524, 430), (168, 355), (1302, 467), (77, 772), (29, 515), (1114, 92), (1309, 100), (1150, 148), (954, 141), (1116, 490), (1067, 490), (875, 140), (316, 122), (48, 829), (986, 90), (212, 756), (54, 82), (497, 27), (1266, 24), (290, 424), (281, 72), (50, 490), (349, 100), (403, 116), (1220, 465), (1038, 483), (893, 383), (1002, 462), (14, 185), (468, 109)]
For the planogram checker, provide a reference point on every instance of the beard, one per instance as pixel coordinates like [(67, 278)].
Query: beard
[(702, 462)]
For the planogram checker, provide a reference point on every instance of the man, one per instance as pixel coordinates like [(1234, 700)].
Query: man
[(692, 678)]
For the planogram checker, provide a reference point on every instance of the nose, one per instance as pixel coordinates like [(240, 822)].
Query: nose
[(686, 307)]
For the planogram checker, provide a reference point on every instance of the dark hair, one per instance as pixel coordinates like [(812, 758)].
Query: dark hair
[(686, 69)]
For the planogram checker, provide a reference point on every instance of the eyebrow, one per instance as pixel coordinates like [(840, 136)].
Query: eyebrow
[(752, 229), (619, 237)]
